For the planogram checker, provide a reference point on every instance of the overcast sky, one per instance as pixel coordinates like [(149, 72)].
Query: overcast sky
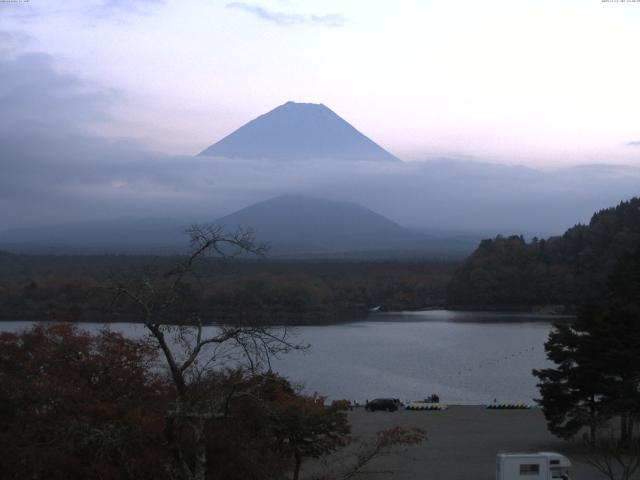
[(534, 82)]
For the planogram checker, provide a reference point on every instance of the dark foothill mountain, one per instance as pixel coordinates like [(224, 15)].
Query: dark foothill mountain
[(565, 270), (299, 131), (302, 226), (297, 224)]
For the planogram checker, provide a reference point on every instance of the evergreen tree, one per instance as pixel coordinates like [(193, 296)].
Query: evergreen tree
[(571, 392), (597, 373)]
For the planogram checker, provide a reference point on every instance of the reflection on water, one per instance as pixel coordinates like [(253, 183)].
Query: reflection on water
[(466, 317), (464, 357)]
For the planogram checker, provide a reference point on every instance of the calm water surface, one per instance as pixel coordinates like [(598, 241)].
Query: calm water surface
[(465, 357)]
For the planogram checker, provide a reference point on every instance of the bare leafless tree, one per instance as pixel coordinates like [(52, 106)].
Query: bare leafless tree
[(192, 351), (613, 457), (353, 464)]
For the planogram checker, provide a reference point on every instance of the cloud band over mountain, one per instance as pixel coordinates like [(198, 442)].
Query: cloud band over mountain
[(55, 170)]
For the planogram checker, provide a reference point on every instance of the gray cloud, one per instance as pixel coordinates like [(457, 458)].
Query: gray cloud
[(33, 96), (129, 4), (111, 8), (24, 12), (287, 19), (634, 143), (11, 40)]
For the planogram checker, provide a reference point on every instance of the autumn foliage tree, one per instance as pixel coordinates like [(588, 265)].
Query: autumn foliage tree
[(307, 428), (73, 405)]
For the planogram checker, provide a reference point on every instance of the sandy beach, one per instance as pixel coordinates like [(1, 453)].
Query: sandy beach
[(463, 442)]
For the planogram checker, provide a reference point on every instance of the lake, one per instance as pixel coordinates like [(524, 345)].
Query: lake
[(464, 357)]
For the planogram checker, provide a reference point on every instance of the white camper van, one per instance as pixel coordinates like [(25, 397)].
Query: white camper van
[(532, 466)]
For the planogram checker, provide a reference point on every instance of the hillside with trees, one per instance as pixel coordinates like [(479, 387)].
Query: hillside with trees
[(568, 270)]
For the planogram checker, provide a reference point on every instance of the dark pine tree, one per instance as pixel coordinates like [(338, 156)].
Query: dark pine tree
[(597, 373)]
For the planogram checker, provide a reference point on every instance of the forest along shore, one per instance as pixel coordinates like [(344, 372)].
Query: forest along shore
[(77, 288), (462, 441)]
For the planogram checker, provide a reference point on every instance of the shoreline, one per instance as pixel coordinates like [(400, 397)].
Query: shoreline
[(293, 320)]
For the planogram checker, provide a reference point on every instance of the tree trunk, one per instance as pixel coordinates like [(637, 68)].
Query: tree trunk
[(296, 468), (200, 447), (626, 429), (171, 437), (593, 424)]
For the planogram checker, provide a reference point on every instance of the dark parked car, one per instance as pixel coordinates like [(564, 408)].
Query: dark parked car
[(389, 404)]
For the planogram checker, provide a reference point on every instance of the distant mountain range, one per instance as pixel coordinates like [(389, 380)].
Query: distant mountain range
[(299, 131), (293, 226)]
